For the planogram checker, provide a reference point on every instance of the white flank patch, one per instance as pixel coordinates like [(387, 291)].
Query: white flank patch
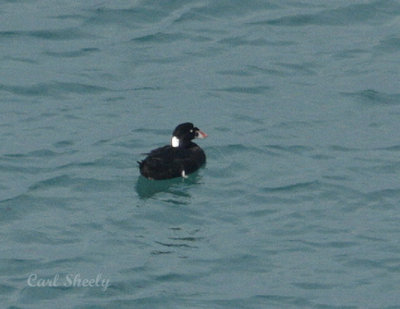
[(175, 141)]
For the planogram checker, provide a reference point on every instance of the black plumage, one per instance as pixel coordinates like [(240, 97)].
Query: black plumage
[(179, 159)]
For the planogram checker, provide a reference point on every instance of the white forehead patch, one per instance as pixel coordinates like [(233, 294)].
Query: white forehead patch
[(175, 141)]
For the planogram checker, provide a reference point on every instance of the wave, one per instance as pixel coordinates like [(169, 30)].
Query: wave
[(52, 89), (55, 35), (244, 89), (294, 149), (389, 45), (300, 186), (161, 37), (80, 184), (72, 54), (374, 97), (370, 13)]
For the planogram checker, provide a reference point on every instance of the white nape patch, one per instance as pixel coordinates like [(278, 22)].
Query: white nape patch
[(174, 141), (184, 174)]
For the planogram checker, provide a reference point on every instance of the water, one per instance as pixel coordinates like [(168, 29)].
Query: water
[(298, 205)]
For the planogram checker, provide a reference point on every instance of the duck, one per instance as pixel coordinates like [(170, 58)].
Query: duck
[(178, 159)]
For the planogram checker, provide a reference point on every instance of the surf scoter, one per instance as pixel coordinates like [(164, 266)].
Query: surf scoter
[(179, 159)]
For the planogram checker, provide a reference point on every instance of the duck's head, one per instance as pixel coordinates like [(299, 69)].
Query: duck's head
[(184, 133)]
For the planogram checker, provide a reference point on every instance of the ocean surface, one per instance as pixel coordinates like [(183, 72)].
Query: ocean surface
[(298, 205)]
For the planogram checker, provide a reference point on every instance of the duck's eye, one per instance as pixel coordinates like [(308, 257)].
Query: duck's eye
[(191, 130)]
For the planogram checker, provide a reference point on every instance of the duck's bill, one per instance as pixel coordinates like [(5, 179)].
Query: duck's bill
[(201, 134)]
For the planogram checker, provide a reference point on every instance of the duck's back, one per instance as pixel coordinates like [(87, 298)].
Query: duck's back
[(170, 162)]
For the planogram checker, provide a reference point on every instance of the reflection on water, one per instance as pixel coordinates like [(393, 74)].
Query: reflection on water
[(177, 186)]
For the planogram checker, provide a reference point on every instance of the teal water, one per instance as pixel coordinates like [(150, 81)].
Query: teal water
[(298, 204)]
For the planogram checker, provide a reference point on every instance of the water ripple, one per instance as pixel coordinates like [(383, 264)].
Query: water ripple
[(374, 97), (72, 54), (75, 183), (129, 17), (244, 90), (57, 35), (301, 186), (295, 149), (52, 89), (313, 286), (371, 13), (160, 38), (242, 40), (389, 45)]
